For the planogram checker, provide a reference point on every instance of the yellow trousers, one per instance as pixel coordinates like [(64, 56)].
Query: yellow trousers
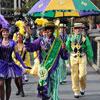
[(78, 73)]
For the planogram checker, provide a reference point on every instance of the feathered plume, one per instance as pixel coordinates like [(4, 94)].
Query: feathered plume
[(21, 25), (57, 31), (41, 21), (4, 23)]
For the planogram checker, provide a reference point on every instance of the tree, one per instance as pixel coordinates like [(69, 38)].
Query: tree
[(96, 2), (26, 6)]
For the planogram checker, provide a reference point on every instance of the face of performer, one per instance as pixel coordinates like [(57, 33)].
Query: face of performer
[(43, 33), (5, 34), (78, 30), (61, 29), (49, 31), (19, 38)]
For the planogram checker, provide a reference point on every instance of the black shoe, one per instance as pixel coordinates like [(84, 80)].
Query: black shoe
[(22, 94), (18, 93), (76, 95), (82, 93), (61, 83), (45, 98), (26, 80), (64, 81)]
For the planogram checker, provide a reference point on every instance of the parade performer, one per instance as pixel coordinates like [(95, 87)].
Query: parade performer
[(26, 59), (63, 36), (50, 48), (20, 24), (34, 70), (36, 54), (8, 69), (78, 46)]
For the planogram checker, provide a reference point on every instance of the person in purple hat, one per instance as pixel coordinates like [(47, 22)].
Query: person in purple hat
[(51, 49), (8, 69)]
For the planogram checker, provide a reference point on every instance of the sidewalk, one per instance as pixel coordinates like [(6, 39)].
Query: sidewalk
[(65, 93)]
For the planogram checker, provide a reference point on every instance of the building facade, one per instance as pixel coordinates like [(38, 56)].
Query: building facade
[(6, 8), (10, 8)]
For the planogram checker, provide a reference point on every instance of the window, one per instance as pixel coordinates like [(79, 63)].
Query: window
[(3, 4), (17, 3)]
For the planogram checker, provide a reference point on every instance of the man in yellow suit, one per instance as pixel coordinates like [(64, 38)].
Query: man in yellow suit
[(78, 45)]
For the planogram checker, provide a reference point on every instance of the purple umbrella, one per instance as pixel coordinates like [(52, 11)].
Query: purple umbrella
[(39, 6), (63, 8)]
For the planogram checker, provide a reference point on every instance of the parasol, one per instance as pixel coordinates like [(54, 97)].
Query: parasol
[(63, 8)]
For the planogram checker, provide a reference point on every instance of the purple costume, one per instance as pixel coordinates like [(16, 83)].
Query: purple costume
[(39, 44), (8, 69)]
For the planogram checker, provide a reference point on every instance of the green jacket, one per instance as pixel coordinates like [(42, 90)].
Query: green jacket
[(87, 46)]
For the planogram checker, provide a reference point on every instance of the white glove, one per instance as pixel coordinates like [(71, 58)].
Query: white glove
[(68, 68), (67, 65)]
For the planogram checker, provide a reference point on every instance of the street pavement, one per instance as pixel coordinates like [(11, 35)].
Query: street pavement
[(65, 93)]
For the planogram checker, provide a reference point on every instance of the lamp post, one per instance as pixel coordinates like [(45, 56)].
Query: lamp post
[(22, 2), (21, 8)]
